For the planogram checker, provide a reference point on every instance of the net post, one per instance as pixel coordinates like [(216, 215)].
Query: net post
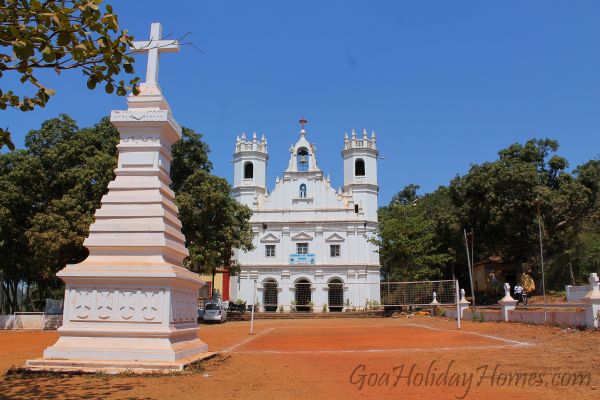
[(253, 307), (457, 305)]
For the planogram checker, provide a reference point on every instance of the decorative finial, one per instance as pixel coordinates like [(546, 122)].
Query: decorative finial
[(353, 134), (237, 138), (244, 136), (254, 136), (346, 135), (364, 133), (373, 136), (154, 47)]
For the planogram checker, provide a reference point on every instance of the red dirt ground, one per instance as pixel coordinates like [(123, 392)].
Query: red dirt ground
[(342, 358)]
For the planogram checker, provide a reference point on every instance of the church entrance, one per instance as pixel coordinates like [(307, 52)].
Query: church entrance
[(270, 295), (336, 295), (303, 295)]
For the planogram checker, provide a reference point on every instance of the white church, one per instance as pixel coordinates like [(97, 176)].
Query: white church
[(311, 248)]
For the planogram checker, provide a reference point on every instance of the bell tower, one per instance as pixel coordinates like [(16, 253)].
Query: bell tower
[(360, 172), (249, 168)]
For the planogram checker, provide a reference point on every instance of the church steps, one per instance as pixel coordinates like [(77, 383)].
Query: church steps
[(305, 315)]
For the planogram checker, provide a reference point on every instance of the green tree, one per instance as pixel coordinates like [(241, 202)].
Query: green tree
[(20, 181), (407, 195), (61, 35), (439, 208), (500, 200), (581, 253), (214, 224), (49, 193), (407, 242), (190, 154)]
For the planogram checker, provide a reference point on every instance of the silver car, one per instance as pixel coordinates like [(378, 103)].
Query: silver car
[(215, 312)]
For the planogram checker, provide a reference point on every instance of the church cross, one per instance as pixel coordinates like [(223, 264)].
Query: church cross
[(303, 121), (154, 47)]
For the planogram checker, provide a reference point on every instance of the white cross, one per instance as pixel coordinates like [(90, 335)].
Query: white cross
[(154, 47)]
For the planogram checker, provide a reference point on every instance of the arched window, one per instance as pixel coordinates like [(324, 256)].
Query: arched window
[(335, 294), (248, 170), (270, 293), (303, 295), (302, 191), (302, 158), (359, 167)]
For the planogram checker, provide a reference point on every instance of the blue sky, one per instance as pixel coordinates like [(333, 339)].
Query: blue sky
[(443, 83)]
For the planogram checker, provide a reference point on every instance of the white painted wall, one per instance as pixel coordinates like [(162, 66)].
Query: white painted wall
[(324, 217)]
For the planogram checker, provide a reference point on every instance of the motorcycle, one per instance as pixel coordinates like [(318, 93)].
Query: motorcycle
[(521, 298)]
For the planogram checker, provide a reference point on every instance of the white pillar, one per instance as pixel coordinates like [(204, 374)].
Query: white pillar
[(434, 304), (318, 292), (286, 291), (592, 301), (507, 303), (463, 304)]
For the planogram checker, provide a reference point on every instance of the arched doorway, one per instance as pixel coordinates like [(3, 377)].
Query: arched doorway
[(335, 294), (303, 295), (270, 293)]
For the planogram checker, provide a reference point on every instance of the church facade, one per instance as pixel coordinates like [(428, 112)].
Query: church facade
[(311, 248)]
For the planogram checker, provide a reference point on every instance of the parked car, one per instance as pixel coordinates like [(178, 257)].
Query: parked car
[(215, 312)]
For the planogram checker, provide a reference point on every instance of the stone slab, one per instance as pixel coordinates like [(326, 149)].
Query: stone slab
[(114, 367)]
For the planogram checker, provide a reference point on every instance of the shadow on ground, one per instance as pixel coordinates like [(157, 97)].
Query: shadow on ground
[(27, 385), (22, 384)]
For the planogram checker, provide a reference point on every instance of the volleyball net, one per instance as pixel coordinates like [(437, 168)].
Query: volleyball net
[(335, 295)]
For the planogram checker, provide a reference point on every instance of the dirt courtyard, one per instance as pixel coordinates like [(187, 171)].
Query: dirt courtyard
[(400, 358)]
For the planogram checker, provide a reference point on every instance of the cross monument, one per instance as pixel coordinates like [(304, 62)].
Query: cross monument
[(131, 305), (154, 47)]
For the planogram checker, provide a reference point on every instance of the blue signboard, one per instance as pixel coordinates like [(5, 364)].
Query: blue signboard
[(302, 258)]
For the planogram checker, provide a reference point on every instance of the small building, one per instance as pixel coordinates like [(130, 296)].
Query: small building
[(489, 276), (219, 288)]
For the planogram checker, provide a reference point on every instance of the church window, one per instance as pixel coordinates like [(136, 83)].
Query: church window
[(302, 248), (356, 208), (270, 295), (248, 170), (302, 191), (270, 250), (335, 295), (302, 159), (359, 167), (334, 250)]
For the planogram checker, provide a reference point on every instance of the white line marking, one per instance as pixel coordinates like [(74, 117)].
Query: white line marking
[(334, 326), (514, 342), (407, 350), (235, 346)]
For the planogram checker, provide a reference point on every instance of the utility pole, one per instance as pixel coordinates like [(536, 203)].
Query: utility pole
[(472, 249), (539, 215), (470, 267)]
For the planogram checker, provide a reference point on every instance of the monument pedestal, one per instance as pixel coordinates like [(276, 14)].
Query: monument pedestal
[(126, 317), (131, 305)]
